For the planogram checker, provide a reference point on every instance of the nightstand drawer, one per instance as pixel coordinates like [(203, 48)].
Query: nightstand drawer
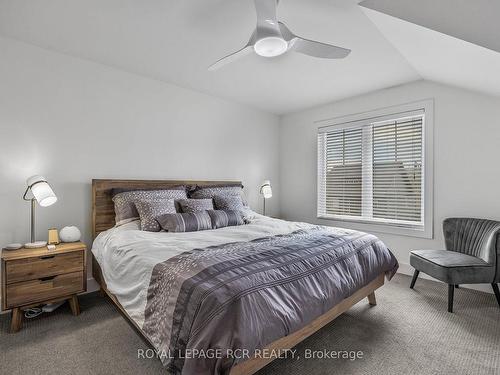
[(47, 265), (44, 289)]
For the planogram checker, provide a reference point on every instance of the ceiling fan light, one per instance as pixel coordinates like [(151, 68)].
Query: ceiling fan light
[(271, 46)]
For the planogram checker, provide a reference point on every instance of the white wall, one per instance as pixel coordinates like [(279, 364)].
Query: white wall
[(72, 120), (466, 157)]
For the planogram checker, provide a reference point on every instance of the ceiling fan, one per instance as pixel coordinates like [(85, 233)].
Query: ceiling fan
[(273, 38)]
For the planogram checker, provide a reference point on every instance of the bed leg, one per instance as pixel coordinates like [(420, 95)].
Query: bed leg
[(371, 299)]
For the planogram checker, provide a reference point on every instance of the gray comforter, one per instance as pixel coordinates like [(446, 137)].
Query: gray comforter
[(206, 303)]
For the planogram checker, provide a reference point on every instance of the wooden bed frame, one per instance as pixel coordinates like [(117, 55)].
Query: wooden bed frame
[(103, 218)]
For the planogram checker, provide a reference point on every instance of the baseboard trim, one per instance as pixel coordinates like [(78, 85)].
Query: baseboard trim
[(92, 285)]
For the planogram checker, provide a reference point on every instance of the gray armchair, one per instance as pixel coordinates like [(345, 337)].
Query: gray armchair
[(472, 256)]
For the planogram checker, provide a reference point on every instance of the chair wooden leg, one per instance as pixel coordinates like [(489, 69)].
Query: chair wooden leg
[(371, 299), (414, 279), (496, 291), (16, 320), (451, 291)]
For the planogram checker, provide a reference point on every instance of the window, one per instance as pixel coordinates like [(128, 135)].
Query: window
[(371, 170)]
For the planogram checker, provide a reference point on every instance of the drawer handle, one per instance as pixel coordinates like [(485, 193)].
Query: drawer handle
[(48, 278), (48, 257)]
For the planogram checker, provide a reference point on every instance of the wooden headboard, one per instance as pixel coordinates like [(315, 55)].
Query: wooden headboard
[(103, 210)]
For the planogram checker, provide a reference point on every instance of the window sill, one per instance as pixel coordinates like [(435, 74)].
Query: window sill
[(369, 226)]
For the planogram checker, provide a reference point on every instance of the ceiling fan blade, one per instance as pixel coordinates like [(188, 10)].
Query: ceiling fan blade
[(286, 33), (232, 57), (311, 47), (318, 49)]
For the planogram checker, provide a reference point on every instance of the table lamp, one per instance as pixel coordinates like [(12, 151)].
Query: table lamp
[(43, 194), (266, 191)]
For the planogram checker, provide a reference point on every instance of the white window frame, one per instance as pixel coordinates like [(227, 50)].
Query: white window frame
[(371, 225)]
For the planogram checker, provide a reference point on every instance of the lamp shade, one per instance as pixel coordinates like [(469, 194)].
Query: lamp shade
[(41, 190), (266, 190)]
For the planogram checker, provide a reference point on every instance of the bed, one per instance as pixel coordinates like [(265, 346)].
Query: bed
[(230, 300)]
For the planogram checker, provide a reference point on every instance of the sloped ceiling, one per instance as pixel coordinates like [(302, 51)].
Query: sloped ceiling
[(437, 38), (176, 40), (473, 21)]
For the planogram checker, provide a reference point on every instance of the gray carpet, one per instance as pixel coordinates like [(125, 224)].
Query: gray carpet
[(408, 332)]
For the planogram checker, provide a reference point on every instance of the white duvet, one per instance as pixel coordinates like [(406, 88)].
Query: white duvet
[(127, 255)]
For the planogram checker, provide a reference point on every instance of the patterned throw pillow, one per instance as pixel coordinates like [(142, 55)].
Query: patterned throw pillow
[(195, 205), (150, 210), (224, 190), (125, 210), (228, 202), (185, 222), (221, 219)]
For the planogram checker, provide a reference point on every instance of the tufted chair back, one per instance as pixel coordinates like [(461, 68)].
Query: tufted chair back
[(476, 237)]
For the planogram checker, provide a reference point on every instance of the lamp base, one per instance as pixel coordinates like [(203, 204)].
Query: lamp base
[(35, 245)]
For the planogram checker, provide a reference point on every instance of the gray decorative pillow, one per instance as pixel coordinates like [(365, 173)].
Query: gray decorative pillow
[(228, 202), (185, 222), (212, 191), (221, 219), (150, 210), (195, 205), (125, 209)]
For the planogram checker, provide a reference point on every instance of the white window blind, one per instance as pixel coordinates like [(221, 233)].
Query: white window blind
[(372, 170)]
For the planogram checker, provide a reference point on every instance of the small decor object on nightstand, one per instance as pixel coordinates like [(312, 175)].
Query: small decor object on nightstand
[(266, 191), (34, 277), (35, 245), (70, 234), (43, 194), (13, 246), (53, 237)]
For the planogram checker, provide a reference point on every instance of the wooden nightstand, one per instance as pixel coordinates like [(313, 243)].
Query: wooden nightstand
[(32, 277)]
